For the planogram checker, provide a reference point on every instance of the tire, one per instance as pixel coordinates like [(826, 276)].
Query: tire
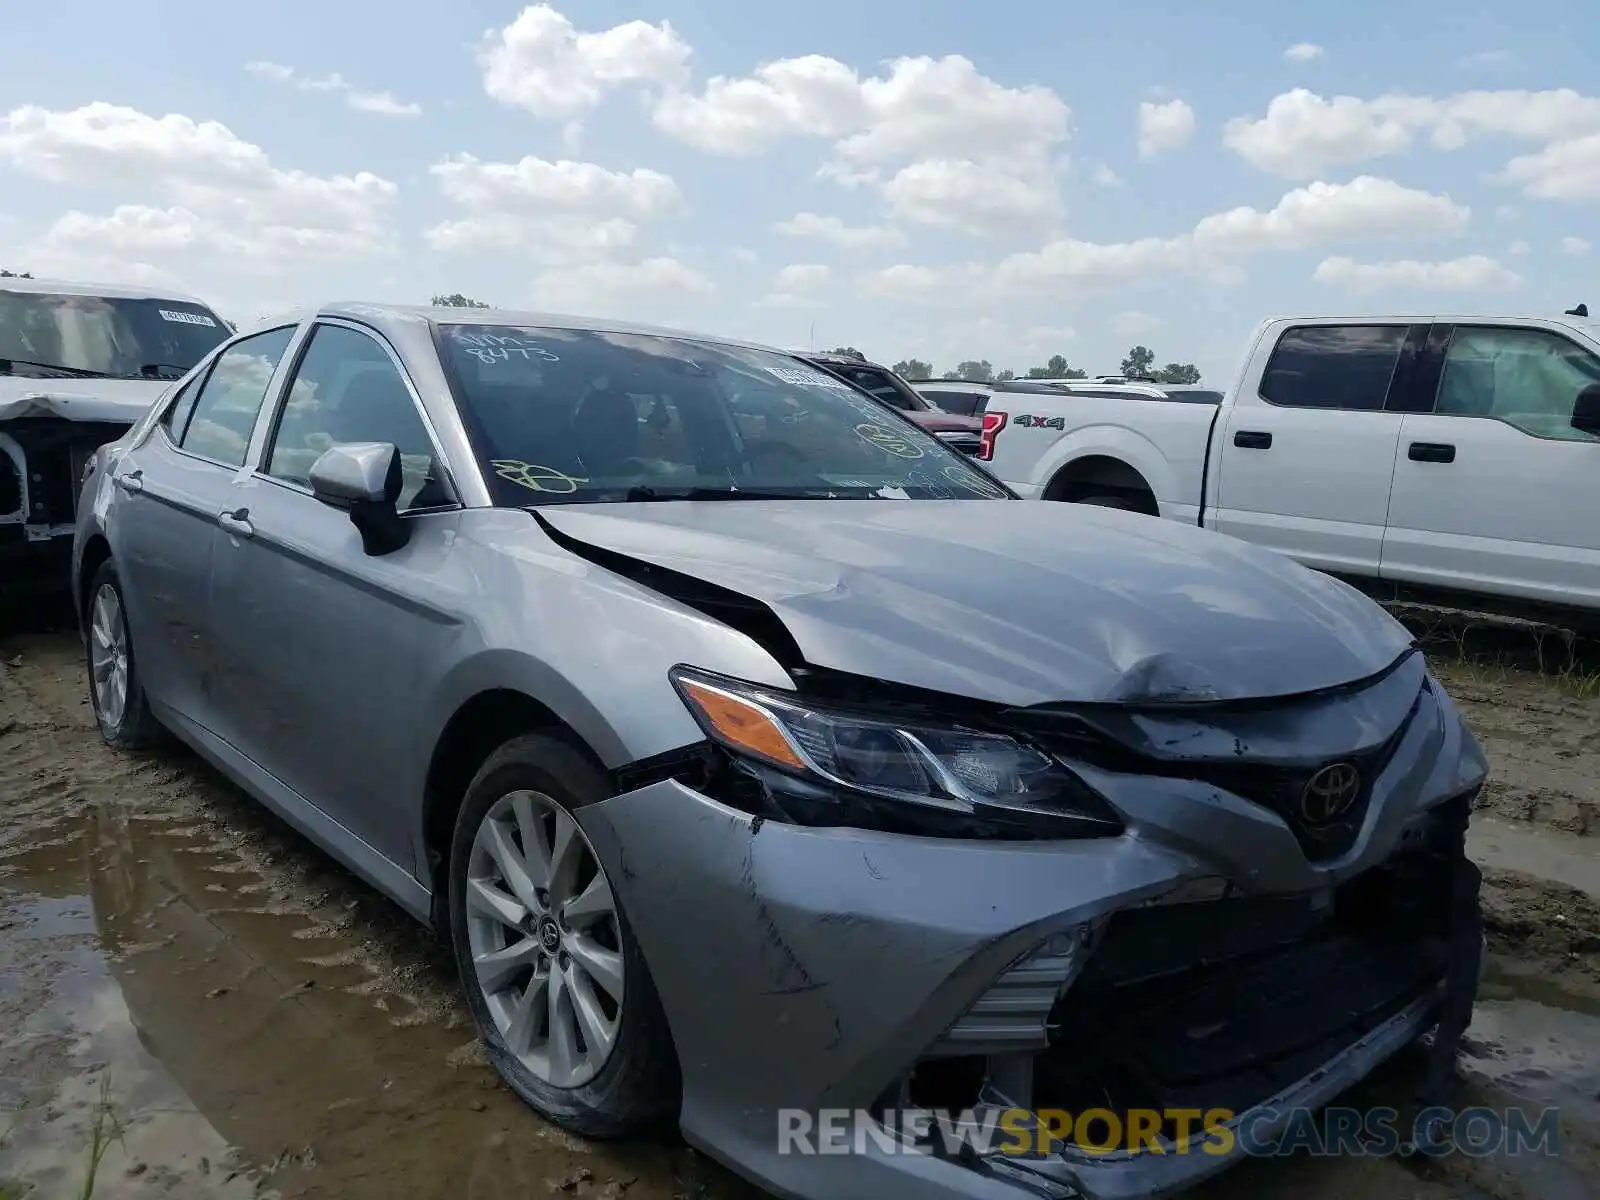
[(109, 652), (1106, 501), (638, 1085)]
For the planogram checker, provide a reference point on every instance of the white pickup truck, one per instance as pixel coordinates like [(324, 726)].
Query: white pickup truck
[(1454, 459)]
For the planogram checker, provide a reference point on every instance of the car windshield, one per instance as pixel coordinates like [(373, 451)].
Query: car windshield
[(45, 334), (563, 415)]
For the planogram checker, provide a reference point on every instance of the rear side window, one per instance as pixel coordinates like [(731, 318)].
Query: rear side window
[(877, 384), (1529, 378), (1333, 366), (229, 401), (966, 404)]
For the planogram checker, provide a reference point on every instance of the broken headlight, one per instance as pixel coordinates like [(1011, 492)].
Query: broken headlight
[(798, 762)]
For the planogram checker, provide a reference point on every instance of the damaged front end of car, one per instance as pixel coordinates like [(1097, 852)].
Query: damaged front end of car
[(1150, 1045), (1236, 909), (46, 444), (1182, 890)]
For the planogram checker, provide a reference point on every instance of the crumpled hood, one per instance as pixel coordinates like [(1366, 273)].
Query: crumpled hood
[(1017, 602), (78, 399)]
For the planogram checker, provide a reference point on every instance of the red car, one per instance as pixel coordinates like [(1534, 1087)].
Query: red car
[(958, 432)]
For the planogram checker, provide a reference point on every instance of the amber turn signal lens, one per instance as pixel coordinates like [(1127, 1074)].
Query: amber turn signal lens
[(742, 725)]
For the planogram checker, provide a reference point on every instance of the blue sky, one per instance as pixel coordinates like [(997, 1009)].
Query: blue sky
[(994, 205)]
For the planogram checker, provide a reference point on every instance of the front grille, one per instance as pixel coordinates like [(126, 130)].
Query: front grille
[(1282, 789), (1223, 1003), (1278, 788), (1011, 1016)]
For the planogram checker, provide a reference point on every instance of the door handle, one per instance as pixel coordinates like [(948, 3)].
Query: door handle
[(1439, 452), (1253, 439), (133, 481), (237, 522)]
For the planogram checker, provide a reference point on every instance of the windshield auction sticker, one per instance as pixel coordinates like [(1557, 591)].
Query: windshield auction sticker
[(183, 318), (803, 378)]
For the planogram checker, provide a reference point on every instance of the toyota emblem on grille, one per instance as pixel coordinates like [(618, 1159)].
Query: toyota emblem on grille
[(1330, 793)]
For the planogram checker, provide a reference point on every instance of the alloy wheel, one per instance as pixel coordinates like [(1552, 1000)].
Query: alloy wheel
[(108, 656), (544, 938)]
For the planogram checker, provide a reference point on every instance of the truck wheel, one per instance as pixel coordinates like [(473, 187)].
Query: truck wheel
[(1104, 501)]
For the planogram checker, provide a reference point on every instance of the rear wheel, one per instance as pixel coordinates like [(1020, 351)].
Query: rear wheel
[(555, 981), (116, 692)]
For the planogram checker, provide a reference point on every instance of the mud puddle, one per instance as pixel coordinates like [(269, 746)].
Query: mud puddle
[(241, 1046), (180, 968)]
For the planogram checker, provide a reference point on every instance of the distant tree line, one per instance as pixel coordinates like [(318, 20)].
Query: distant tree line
[(1139, 364)]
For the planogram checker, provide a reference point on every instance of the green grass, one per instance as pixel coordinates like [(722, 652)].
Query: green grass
[(104, 1129), (1494, 653)]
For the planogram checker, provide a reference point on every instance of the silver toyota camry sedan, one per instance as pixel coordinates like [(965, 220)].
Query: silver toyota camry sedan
[(772, 771)]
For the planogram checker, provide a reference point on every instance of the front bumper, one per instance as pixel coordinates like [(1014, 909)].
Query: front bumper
[(41, 465), (817, 969)]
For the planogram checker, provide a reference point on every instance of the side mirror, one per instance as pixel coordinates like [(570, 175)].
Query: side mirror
[(1586, 412), (364, 480)]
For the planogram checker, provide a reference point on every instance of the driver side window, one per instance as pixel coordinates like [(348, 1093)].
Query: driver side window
[(346, 388), (1528, 378)]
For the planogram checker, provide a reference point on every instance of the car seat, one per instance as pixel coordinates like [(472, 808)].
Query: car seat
[(605, 432)]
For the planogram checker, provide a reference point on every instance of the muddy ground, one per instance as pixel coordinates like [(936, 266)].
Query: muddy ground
[(239, 1018)]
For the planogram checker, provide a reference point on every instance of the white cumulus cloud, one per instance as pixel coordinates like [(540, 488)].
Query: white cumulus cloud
[(542, 64), (832, 229), (185, 185), (1473, 273), (560, 211), (383, 104), (1164, 127), (1364, 208)]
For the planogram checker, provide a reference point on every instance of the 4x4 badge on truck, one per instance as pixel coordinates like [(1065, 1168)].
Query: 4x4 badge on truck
[(1029, 421)]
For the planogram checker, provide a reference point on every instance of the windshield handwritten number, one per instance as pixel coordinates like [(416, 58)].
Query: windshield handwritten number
[(498, 354), (535, 477), (888, 441)]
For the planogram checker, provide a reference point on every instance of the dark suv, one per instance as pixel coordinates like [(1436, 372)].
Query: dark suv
[(955, 430)]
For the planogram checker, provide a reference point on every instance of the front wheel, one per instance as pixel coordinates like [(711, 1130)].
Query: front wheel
[(116, 692), (555, 981)]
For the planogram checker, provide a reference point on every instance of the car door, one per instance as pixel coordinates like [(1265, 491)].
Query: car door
[(1308, 445), (163, 527), (323, 645), (1494, 490)]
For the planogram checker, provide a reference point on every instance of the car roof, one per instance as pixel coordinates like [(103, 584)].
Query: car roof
[(394, 318), (108, 291), (1442, 318)]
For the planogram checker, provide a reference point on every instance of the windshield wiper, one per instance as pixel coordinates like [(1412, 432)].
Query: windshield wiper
[(9, 365), (642, 493)]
